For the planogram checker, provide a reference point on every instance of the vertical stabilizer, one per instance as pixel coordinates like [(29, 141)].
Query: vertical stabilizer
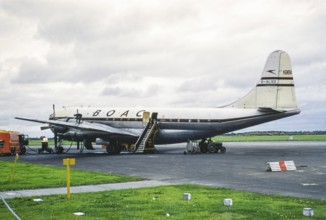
[(275, 89)]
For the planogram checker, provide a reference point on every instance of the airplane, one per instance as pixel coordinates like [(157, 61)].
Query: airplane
[(272, 98)]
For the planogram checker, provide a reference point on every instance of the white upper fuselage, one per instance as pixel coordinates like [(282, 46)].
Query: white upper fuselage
[(164, 114)]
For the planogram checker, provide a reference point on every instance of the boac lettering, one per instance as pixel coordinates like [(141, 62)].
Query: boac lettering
[(96, 112), (139, 113), (110, 113), (125, 113)]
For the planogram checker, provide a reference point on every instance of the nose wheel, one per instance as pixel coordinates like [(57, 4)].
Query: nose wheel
[(57, 146)]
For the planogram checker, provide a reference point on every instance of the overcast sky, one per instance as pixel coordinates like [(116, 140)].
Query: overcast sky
[(155, 53)]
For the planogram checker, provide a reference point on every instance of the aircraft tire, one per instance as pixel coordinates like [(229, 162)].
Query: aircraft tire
[(59, 150), (212, 148), (109, 149), (13, 152), (22, 150), (222, 150), (113, 149), (117, 149), (203, 148)]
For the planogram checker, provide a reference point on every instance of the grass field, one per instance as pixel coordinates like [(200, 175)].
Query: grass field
[(248, 138), (158, 202), (30, 176)]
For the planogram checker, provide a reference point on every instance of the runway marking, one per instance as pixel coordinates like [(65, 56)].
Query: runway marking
[(79, 213), (309, 184), (255, 174)]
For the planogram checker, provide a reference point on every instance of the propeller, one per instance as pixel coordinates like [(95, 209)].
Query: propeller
[(52, 116), (55, 140), (78, 117), (53, 106)]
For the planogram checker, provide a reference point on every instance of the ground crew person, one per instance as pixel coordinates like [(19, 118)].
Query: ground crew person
[(45, 143)]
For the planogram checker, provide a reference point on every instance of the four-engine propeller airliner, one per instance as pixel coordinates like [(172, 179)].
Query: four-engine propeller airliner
[(272, 98)]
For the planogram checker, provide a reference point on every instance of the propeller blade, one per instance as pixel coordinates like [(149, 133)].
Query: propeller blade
[(53, 106), (55, 140)]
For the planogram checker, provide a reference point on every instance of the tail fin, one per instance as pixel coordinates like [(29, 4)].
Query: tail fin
[(275, 89)]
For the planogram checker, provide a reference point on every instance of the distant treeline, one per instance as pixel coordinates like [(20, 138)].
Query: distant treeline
[(260, 133)]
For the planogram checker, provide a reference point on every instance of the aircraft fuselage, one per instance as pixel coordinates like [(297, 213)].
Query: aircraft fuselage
[(175, 125)]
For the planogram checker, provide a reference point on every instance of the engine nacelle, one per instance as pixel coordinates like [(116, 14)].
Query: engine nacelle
[(73, 135), (100, 141), (58, 129)]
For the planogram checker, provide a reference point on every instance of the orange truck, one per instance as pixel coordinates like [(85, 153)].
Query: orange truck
[(12, 142)]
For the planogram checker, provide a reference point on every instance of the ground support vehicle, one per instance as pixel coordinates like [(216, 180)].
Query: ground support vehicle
[(12, 142), (45, 147)]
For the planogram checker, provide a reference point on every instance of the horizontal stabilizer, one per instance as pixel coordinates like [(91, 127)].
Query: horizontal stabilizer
[(271, 110)]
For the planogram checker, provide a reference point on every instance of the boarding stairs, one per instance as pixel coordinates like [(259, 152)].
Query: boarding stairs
[(145, 142)]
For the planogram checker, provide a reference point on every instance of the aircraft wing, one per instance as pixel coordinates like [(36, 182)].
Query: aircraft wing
[(86, 126)]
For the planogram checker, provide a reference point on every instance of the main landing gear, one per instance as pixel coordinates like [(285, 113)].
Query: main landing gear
[(204, 146), (207, 145), (114, 148)]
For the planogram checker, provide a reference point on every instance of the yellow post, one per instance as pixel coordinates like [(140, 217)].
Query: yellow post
[(68, 180), (68, 162), (13, 176)]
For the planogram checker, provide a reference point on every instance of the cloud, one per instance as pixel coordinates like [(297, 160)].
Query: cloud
[(158, 53), (117, 91)]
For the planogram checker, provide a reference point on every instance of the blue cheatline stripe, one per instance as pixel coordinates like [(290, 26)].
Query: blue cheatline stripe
[(281, 85), (167, 120)]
